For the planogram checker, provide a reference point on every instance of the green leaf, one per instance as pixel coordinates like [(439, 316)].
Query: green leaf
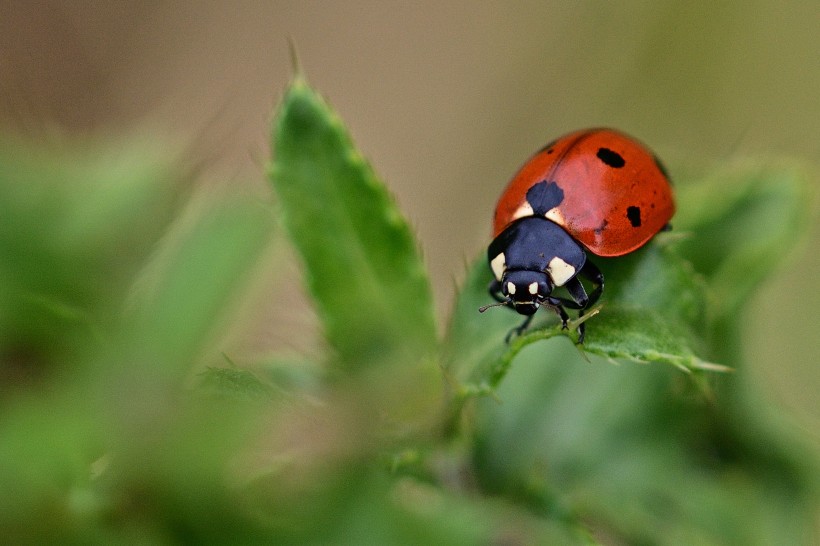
[(652, 311), (361, 259)]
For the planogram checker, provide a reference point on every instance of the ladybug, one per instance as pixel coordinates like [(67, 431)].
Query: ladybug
[(596, 191)]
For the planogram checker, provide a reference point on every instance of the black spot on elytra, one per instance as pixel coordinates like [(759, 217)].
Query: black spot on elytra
[(613, 159), (544, 196), (634, 216)]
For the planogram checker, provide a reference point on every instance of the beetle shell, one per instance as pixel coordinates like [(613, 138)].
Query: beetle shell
[(608, 191)]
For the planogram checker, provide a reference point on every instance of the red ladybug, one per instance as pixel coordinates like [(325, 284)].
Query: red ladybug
[(596, 191)]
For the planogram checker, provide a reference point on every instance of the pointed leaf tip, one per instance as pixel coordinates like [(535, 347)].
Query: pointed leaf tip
[(363, 266)]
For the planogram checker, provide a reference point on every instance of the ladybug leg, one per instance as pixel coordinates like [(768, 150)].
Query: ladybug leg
[(555, 304), (495, 291), (551, 302), (591, 273), (580, 299), (579, 294), (558, 305)]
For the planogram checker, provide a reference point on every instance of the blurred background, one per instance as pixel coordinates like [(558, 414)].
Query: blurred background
[(446, 99)]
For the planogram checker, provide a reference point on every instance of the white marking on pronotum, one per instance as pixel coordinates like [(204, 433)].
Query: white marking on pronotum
[(498, 265), (533, 288), (510, 288), (523, 211), (560, 271)]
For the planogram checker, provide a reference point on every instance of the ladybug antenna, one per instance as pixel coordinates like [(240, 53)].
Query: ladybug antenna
[(499, 304)]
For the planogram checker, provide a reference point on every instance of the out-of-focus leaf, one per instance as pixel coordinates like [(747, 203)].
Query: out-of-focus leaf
[(635, 453), (744, 220), (189, 289), (113, 451), (75, 226), (48, 442), (357, 505), (233, 383)]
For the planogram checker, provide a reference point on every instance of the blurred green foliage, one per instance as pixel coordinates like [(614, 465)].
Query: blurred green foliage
[(113, 287)]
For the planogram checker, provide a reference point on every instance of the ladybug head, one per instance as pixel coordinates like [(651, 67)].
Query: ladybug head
[(525, 290)]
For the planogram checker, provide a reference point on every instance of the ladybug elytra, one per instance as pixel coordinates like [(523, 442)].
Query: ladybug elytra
[(596, 191)]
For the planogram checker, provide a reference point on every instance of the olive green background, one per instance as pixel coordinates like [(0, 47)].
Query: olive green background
[(447, 99)]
